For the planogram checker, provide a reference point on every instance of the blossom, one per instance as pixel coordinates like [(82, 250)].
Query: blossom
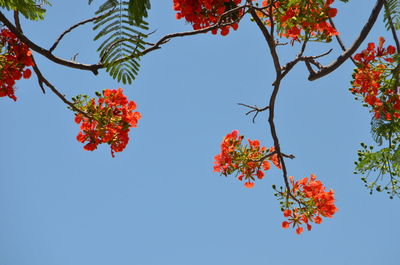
[(299, 230), (15, 56), (109, 120), (248, 161), (299, 20), (285, 224), (373, 80), (308, 202), (205, 13)]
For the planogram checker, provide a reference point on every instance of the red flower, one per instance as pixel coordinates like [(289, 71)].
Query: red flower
[(285, 224), (247, 161), (109, 121), (287, 213), (27, 73), (204, 13), (299, 20), (249, 185), (299, 230), (310, 203), (15, 56), (372, 80)]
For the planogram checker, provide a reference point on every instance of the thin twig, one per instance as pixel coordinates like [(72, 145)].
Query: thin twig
[(339, 40), (74, 27), (254, 109), (41, 79)]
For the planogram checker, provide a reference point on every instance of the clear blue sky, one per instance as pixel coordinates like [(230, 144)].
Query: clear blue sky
[(158, 202)]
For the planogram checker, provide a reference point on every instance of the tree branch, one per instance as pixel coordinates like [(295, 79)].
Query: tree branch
[(344, 56), (52, 48), (41, 79), (339, 39), (46, 53)]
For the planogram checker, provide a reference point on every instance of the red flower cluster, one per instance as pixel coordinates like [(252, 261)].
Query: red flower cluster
[(14, 57), (376, 80), (301, 19), (310, 202), (205, 13), (110, 120), (244, 160)]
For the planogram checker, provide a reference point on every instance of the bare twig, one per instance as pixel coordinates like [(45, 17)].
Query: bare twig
[(288, 66), (52, 48), (339, 39), (254, 109), (168, 37)]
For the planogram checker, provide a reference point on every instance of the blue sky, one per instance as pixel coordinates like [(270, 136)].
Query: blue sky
[(158, 202)]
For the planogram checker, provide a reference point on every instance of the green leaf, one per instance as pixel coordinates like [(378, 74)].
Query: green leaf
[(122, 40), (31, 9), (392, 13), (138, 10)]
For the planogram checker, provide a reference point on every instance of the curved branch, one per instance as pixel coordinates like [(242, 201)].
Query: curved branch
[(170, 36), (46, 53), (52, 48), (270, 40), (339, 39), (344, 56), (272, 46)]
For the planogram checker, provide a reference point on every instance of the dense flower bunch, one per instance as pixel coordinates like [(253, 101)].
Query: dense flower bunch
[(107, 121), (204, 13), (15, 56), (246, 161), (307, 202), (376, 80), (299, 19)]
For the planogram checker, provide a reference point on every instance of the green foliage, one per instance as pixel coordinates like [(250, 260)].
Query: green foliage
[(392, 13), (380, 165), (31, 9), (123, 40), (383, 164), (137, 10)]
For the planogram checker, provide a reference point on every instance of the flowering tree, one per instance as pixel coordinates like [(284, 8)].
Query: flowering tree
[(123, 30)]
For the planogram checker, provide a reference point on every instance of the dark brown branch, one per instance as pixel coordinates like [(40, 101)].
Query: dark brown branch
[(170, 36), (271, 154), (254, 109), (41, 79), (46, 53), (344, 56), (35, 68), (312, 60), (288, 66), (276, 85), (339, 39), (74, 27), (268, 38)]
